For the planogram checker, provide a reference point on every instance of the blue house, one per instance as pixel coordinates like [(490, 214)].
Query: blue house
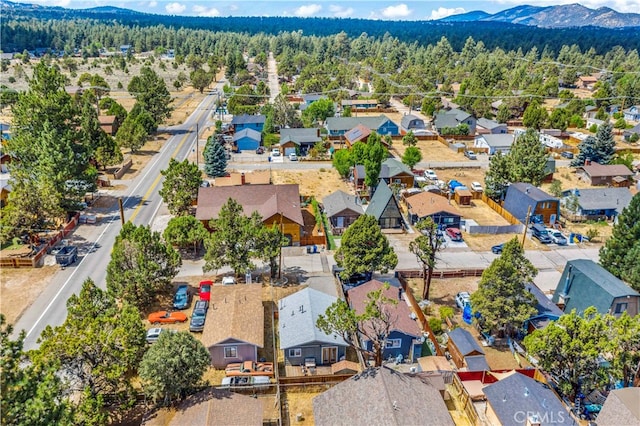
[(632, 113), (547, 310), (246, 121), (300, 338), (520, 196), (405, 337), (247, 139), (598, 203), (310, 98), (338, 126)]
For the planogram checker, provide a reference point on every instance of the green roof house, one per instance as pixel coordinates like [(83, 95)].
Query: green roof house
[(584, 283)]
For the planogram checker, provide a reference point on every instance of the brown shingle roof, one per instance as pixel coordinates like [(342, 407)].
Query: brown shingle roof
[(235, 312), (210, 407), (267, 200), (600, 170), (381, 396), (428, 203), (403, 322), (622, 407)]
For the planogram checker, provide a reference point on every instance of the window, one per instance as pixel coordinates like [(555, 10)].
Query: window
[(295, 353), (620, 308), (393, 343), (231, 352)]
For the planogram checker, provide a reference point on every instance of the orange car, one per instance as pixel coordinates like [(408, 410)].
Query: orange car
[(166, 317), (249, 368)]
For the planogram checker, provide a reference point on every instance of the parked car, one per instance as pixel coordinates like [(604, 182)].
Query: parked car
[(497, 249), (67, 255), (470, 155), (463, 299), (260, 150), (454, 234), (166, 317), (275, 152), (229, 280), (256, 382), (205, 184), (249, 368), (153, 334), (199, 316), (293, 157), (476, 186), (557, 237), (540, 233), (356, 279), (181, 298), (205, 290), (430, 174), (567, 154)]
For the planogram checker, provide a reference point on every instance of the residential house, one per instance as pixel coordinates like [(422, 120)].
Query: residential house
[(358, 175), (584, 283), (342, 210), (605, 174), (247, 139), (412, 123), (627, 133), (521, 400), (234, 329), (405, 338), (590, 111), (209, 407), (550, 140), (622, 407), (359, 133), (437, 207), (494, 144), (359, 104), (276, 204), (454, 118), (298, 140), (587, 82), (310, 98), (547, 311), (520, 196), (381, 396), (549, 170), (384, 207), (109, 124), (485, 126), (126, 49), (395, 172), (594, 121), (495, 106), (463, 347), (246, 121), (597, 203), (381, 124), (300, 338), (632, 113)]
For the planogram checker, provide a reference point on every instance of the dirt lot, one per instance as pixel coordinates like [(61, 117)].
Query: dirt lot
[(431, 151), (319, 184), (20, 287)]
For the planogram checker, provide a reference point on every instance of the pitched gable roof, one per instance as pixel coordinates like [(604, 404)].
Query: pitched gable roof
[(489, 124), (392, 167), (235, 312), (340, 201), (465, 342), (248, 119), (381, 198), (381, 396), (428, 203), (602, 198), (520, 196), (357, 134), (268, 200), (603, 170), (357, 297), (621, 407), (407, 119), (348, 123), (247, 133), (310, 135), (501, 140), (518, 393), (298, 314), (589, 284)]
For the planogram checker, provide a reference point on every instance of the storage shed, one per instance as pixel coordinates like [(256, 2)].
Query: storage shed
[(463, 196)]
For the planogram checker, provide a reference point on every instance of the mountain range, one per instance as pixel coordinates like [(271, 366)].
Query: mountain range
[(564, 16)]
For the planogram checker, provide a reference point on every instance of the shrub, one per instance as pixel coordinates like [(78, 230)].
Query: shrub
[(446, 312), (592, 234), (436, 325)]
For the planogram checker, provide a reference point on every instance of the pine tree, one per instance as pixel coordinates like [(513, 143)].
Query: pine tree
[(605, 144), (215, 158), (587, 152)]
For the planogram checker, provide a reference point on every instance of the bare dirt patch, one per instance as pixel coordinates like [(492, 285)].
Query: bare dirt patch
[(20, 287), (301, 403), (318, 183), (432, 151)]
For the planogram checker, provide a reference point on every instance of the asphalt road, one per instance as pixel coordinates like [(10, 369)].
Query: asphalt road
[(141, 202)]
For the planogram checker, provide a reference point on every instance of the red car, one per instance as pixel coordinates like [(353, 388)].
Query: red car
[(205, 290), (166, 317), (454, 234)]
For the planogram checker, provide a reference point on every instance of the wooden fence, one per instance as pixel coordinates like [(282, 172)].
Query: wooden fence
[(443, 273), (120, 171), (313, 240), (500, 210), (312, 380), (463, 401)]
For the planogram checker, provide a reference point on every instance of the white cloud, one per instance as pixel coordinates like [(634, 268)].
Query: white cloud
[(340, 11), (152, 4), (59, 3), (443, 12), (205, 11), (307, 10), (398, 11), (233, 7), (175, 8)]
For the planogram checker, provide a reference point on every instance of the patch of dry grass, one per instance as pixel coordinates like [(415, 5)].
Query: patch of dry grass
[(300, 403)]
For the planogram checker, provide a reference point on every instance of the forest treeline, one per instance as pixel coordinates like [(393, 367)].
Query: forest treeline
[(26, 28)]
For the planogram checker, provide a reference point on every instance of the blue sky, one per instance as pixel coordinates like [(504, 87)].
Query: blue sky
[(370, 9)]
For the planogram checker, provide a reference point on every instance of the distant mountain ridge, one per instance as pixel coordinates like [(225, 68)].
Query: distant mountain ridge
[(563, 16)]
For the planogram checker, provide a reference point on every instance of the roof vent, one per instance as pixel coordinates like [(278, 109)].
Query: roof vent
[(526, 391), (395, 405)]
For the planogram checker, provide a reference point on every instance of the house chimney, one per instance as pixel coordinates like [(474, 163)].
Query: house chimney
[(242, 179), (587, 161)]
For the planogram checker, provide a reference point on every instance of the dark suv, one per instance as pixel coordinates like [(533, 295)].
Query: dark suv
[(540, 233), (199, 316)]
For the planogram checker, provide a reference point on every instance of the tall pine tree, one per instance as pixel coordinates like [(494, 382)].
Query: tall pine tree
[(605, 144), (215, 158)]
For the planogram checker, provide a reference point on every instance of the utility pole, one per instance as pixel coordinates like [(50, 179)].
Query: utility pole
[(526, 225), (121, 210), (197, 145), (280, 265)]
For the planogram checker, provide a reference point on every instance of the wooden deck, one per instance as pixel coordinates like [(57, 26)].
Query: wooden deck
[(297, 370)]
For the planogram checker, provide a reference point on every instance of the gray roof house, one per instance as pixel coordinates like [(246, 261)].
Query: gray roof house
[(412, 123), (384, 207), (484, 125), (394, 171), (342, 210), (520, 196), (300, 339), (622, 407), (521, 400), (494, 143), (596, 203), (584, 283), (381, 396), (304, 138), (466, 351), (454, 118)]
